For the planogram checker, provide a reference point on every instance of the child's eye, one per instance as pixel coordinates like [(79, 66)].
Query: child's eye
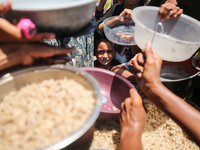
[(110, 51), (101, 52)]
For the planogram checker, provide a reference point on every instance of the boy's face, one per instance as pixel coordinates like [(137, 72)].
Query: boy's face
[(105, 52)]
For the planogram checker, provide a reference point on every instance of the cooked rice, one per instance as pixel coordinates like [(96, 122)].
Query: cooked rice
[(43, 113), (160, 133)]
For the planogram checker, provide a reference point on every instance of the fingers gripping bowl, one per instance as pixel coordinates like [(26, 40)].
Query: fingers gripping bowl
[(38, 117)]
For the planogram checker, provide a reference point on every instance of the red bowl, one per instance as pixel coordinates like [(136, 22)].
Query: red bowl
[(114, 90)]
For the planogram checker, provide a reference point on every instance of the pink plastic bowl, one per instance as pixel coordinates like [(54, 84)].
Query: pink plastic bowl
[(114, 90)]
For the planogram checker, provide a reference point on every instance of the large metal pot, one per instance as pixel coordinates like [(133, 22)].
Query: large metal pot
[(180, 77), (79, 140), (60, 16)]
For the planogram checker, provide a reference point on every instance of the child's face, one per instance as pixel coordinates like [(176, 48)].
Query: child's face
[(105, 52)]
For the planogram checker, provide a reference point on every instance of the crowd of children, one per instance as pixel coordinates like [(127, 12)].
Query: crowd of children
[(24, 52)]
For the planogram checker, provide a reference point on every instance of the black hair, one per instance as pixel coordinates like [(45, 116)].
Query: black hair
[(98, 38), (142, 2)]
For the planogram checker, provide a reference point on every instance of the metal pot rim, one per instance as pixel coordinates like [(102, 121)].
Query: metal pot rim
[(177, 80), (74, 136), (68, 5)]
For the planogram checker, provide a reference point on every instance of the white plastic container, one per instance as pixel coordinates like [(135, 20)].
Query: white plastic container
[(176, 39), (118, 33)]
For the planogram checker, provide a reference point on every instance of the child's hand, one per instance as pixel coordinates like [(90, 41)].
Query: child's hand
[(138, 65), (169, 11), (125, 16)]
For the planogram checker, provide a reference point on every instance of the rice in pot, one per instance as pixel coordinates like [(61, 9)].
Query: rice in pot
[(160, 133), (41, 114)]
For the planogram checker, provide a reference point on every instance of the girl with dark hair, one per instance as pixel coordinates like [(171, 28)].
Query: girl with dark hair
[(104, 52)]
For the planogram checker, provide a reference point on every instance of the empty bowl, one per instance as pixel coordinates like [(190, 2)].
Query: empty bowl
[(176, 39), (118, 33), (114, 90)]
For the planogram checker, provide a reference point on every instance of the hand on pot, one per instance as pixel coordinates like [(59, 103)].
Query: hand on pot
[(169, 10), (27, 53)]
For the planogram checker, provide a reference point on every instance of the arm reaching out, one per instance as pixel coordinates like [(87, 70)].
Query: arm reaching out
[(150, 84)]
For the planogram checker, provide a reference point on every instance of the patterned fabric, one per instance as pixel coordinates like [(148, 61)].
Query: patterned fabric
[(84, 48)]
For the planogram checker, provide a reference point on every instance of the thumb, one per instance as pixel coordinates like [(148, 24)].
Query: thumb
[(149, 54)]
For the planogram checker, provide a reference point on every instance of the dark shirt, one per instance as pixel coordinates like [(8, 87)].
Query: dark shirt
[(114, 10), (157, 3), (190, 8)]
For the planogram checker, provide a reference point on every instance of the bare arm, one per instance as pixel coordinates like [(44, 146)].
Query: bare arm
[(25, 53), (124, 17), (179, 110), (120, 69), (110, 23)]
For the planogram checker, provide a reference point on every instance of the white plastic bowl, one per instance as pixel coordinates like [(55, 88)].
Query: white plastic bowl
[(179, 40), (121, 34)]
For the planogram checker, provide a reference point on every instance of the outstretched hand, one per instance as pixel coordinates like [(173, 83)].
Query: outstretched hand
[(26, 53)]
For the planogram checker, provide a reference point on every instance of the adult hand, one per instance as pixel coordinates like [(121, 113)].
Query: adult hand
[(146, 67), (151, 70), (168, 10), (26, 53), (132, 121)]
